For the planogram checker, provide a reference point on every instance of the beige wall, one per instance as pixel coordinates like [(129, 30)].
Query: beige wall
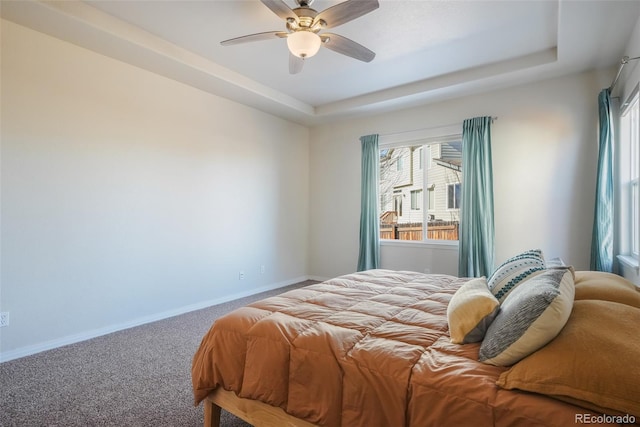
[(128, 197), (544, 158), (630, 76)]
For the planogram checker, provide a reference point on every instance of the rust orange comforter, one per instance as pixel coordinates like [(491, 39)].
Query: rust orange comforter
[(366, 349)]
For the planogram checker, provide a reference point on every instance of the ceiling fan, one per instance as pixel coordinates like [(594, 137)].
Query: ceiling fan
[(303, 30)]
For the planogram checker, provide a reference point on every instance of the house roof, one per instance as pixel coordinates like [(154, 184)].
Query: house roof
[(450, 155)]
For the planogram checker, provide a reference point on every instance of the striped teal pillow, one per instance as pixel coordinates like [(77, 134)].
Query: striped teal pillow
[(514, 271)]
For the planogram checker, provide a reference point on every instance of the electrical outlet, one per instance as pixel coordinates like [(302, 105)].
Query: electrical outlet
[(241, 275), (4, 319), (262, 269)]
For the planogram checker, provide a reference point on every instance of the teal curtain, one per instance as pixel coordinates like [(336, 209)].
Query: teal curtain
[(369, 256), (476, 248), (602, 236)]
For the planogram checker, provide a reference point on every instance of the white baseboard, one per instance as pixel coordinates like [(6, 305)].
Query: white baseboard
[(83, 336)]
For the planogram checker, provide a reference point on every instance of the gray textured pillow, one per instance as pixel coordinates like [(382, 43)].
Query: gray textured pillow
[(515, 271), (531, 316)]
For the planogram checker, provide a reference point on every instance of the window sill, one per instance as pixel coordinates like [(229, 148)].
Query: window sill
[(629, 262), (450, 245)]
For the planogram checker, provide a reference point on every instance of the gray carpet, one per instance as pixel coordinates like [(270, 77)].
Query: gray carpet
[(137, 377)]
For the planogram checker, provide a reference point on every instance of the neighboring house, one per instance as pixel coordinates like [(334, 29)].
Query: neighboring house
[(418, 178)]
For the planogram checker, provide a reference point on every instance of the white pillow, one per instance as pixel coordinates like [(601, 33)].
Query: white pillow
[(470, 311)]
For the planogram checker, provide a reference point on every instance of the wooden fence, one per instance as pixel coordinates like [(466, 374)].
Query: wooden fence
[(436, 230)]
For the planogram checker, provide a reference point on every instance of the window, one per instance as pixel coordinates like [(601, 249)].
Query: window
[(403, 176), (629, 177), (397, 204), (416, 200), (453, 196), (431, 205)]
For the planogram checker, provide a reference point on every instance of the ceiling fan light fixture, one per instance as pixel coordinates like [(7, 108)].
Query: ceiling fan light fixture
[(303, 44)]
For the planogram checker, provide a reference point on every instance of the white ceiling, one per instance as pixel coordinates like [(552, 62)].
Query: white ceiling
[(425, 50)]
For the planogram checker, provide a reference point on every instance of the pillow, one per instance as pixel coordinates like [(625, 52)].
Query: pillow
[(592, 362), (515, 271), (598, 285), (531, 316), (470, 311)]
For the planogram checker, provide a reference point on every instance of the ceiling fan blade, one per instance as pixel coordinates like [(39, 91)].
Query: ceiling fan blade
[(347, 47), (345, 12), (255, 37), (295, 64), (281, 9)]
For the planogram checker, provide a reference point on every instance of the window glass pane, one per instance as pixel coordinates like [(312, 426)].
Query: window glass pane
[(635, 217), (450, 197), (629, 180), (635, 160), (634, 124)]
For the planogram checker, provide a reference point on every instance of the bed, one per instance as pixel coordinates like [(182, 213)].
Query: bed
[(374, 349)]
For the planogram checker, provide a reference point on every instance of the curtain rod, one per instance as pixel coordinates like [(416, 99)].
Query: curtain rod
[(493, 119), (625, 60)]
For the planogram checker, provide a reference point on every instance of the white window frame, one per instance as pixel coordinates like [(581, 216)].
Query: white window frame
[(423, 137), (628, 181)]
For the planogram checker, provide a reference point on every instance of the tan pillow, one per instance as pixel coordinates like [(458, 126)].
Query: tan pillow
[(594, 359), (607, 287), (470, 311)]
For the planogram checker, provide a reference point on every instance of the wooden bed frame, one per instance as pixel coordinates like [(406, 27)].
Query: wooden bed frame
[(254, 412)]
